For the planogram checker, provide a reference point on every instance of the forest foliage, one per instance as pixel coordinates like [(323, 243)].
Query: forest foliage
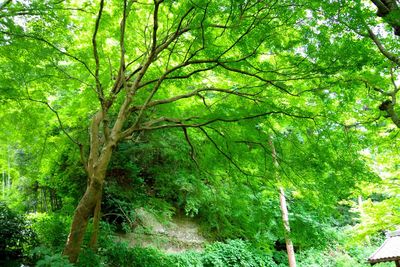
[(202, 109)]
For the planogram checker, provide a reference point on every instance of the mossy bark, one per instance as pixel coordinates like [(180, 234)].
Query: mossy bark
[(82, 214)]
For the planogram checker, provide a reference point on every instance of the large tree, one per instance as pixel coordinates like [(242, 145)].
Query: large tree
[(129, 67)]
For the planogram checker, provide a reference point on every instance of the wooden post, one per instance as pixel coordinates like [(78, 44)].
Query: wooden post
[(284, 212), (397, 263)]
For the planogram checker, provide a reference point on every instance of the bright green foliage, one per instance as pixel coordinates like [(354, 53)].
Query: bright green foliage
[(51, 229), (303, 75), (54, 260), (118, 254), (235, 253), (232, 253)]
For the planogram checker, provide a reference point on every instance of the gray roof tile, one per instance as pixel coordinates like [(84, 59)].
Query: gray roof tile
[(389, 251)]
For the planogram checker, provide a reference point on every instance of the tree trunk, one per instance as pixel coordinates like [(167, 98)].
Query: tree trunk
[(9, 169), (96, 167), (81, 218), (96, 223), (285, 220), (44, 190), (4, 185), (284, 210)]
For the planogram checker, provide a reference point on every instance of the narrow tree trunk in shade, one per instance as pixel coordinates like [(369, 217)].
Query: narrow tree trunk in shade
[(44, 191), (284, 211), (4, 184), (9, 169)]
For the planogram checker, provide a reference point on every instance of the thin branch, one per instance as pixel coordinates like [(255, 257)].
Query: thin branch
[(99, 88), (40, 39), (4, 4), (145, 105), (223, 153), (192, 151), (179, 31), (58, 119), (155, 25), (228, 120), (69, 76), (193, 93), (395, 59), (395, 87), (280, 87), (60, 123)]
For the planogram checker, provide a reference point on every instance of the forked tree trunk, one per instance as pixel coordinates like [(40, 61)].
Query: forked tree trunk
[(81, 218), (96, 166)]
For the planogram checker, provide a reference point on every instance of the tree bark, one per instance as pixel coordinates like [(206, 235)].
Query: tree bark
[(389, 9), (96, 166), (4, 185), (284, 211), (81, 218), (285, 220), (96, 223)]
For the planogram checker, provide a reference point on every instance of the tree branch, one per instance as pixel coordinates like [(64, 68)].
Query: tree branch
[(99, 88), (4, 4), (389, 10), (192, 151), (60, 123), (194, 93), (94, 139), (223, 153), (179, 122), (280, 87), (40, 39), (395, 59)]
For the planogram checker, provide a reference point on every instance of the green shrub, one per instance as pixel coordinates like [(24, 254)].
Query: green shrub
[(333, 257), (51, 229), (235, 253), (88, 258), (15, 235), (56, 260), (314, 258), (119, 254), (189, 258)]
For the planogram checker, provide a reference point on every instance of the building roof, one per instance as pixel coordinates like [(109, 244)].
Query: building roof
[(389, 251)]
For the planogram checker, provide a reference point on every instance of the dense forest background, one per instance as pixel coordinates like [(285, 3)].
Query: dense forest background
[(212, 112)]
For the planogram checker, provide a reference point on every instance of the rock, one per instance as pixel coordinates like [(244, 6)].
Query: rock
[(180, 234)]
